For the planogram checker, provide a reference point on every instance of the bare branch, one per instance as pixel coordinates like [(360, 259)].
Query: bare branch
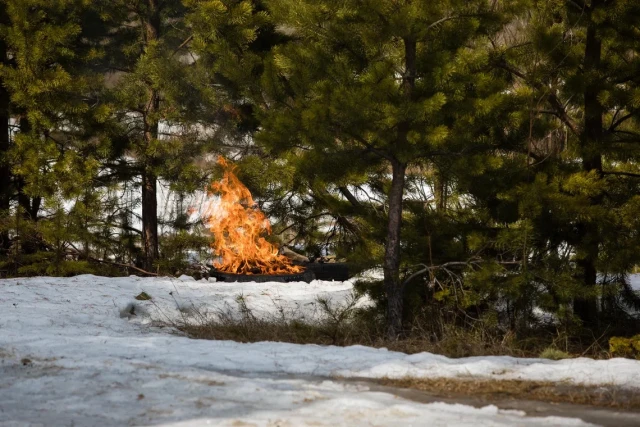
[(622, 119), (183, 44), (445, 267), (118, 264)]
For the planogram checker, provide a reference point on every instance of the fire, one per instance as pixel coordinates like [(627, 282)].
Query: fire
[(239, 226)]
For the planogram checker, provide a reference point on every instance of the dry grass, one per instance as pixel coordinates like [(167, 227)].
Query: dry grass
[(502, 390), (342, 325), (345, 325), (454, 342), (258, 330)]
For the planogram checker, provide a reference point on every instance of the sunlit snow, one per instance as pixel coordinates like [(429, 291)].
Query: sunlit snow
[(71, 354)]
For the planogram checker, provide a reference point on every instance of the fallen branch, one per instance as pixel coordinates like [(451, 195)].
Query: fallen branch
[(118, 264), (79, 254)]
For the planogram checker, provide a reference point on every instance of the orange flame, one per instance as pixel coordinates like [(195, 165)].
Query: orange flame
[(238, 226)]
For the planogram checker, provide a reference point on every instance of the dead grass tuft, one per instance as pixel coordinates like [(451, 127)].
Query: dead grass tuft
[(345, 324)]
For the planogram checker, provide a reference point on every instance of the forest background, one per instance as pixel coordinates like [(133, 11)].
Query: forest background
[(483, 153)]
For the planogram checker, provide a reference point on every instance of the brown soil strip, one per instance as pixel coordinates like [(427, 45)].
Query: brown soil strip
[(493, 391)]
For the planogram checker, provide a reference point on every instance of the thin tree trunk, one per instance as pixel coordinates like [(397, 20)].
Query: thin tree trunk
[(30, 207), (149, 219), (5, 167), (440, 186), (585, 307), (149, 178), (392, 284)]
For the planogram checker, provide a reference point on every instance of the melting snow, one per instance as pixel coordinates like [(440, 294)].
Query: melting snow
[(72, 352)]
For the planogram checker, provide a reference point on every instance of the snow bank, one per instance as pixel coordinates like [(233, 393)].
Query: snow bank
[(83, 316), (73, 349)]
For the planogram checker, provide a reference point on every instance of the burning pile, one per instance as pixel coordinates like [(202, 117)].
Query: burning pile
[(239, 226)]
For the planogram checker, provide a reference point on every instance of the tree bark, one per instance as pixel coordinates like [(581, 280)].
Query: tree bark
[(440, 187), (149, 219), (149, 178), (585, 307), (28, 206), (392, 284), (5, 167)]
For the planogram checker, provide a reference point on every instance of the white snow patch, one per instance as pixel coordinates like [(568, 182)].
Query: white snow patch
[(371, 275), (634, 281)]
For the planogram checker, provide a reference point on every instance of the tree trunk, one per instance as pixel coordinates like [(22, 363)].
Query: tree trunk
[(585, 307), (392, 284), (149, 178), (5, 167), (29, 206), (149, 219), (440, 187)]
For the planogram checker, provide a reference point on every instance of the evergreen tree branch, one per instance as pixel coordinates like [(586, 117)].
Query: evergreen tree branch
[(630, 295), (349, 196), (123, 227), (562, 114), (367, 144), (622, 119), (621, 173), (472, 262), (450, 18), (308, 218), (440, 21), (183, 44), (557, 106)]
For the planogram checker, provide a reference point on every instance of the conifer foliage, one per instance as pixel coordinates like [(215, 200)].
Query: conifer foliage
[(375, 80), (484, 154), (579, 61)]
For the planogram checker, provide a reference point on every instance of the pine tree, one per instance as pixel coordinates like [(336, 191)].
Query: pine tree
[(372, 86), (163, 103), (579, 61), (5, 166), (51, 85)]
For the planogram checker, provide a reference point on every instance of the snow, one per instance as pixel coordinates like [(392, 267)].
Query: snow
[(71, 352), (634, 281)]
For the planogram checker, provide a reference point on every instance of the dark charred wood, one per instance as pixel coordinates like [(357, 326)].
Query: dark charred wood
[(313, 271)]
